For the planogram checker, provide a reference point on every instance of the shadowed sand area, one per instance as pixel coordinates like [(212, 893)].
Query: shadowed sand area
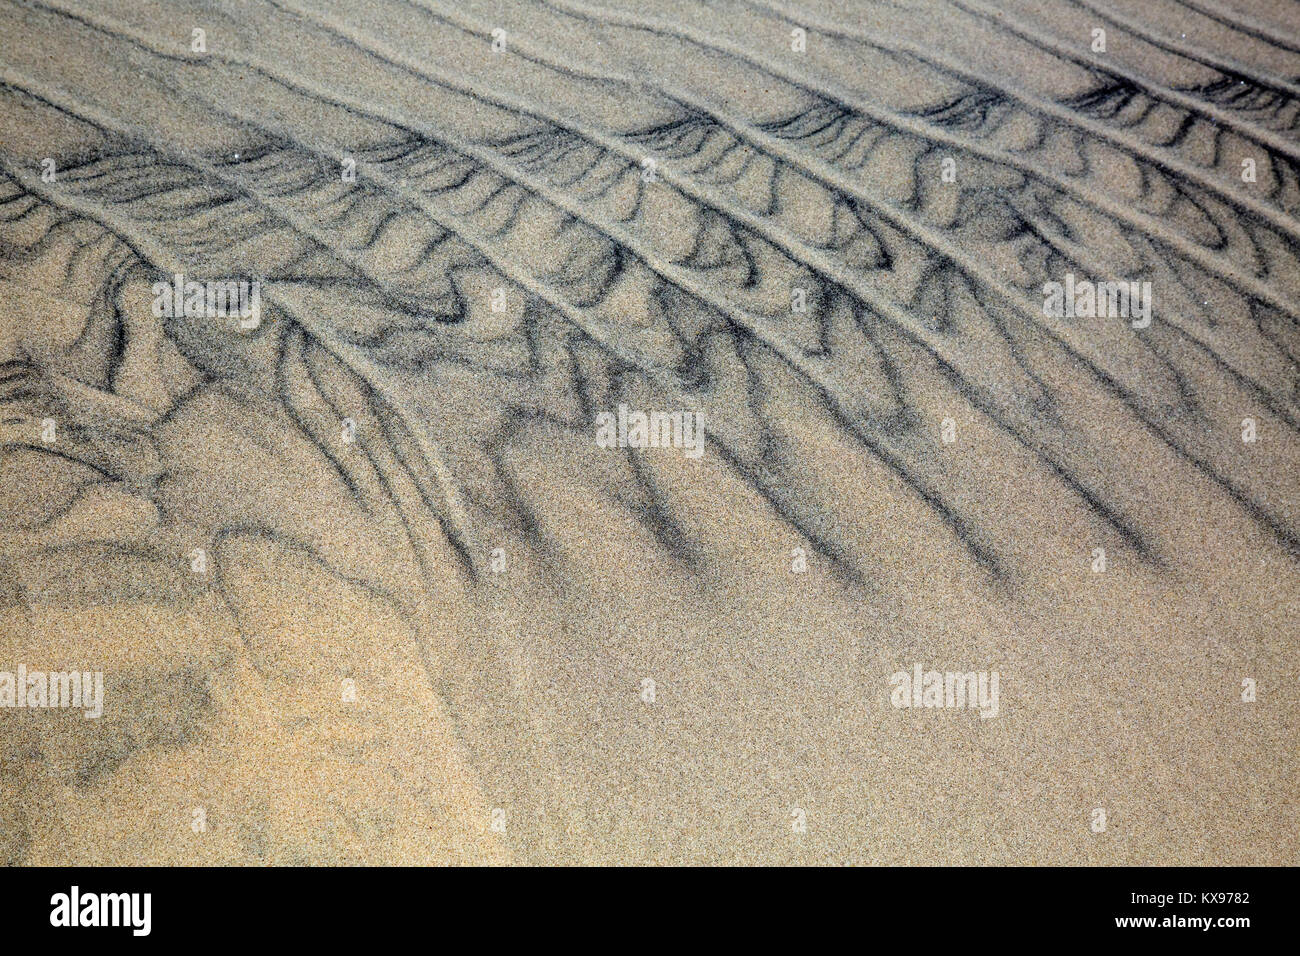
[(366, 586)]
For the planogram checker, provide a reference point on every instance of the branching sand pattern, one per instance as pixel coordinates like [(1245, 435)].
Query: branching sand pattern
[(365, 588)]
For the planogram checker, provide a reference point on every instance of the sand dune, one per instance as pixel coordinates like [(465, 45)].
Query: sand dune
[(313, 314)]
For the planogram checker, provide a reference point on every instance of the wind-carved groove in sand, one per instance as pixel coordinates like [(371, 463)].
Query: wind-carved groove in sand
[(673, 274), (917, 125), (1244, 24), (1073, 347), (1119, 523), (1073, 252), (757, 326), (1227, 118), (816, 259), (151, 253), (836, 273), (374, 377), (546, 160), (1228, 67), (743, 319), (1261, 319), (998, 91)]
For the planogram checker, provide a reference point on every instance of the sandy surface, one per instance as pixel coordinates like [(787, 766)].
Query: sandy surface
[(363, 585)]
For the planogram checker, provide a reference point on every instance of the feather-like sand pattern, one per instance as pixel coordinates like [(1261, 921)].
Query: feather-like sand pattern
[(478, 227)]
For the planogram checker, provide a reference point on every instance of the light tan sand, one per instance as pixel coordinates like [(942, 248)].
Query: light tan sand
[(682, 660)]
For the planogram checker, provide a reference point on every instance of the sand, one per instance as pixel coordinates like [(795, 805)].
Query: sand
[(364, 587)]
